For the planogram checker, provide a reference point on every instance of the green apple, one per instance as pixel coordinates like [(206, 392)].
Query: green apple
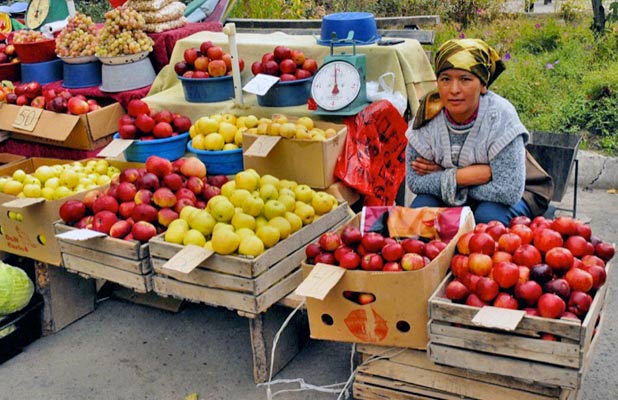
[(176, 231), (304, 193), (202, 221), (193, 236), (268, 191), (305, 212), (243, 220), (288, 201), (228, 188), (253, 205), (222, 210), (267, 178), (32, 190), (274, 208), (239, 196), (44, 172)]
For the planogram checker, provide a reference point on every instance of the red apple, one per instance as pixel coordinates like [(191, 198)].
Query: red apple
[(205, 45), (528, 292), (162, 130), (144, 212), (412, 262), (480, 264), (495, 229), (584, 230), (127, 132), (298, 57), (287, 66), (126, 191), (411, 245), (604, 250), (183, 192), (372, 262), (350, 260), (85, 223), (312, 250), (559, 259), (270, 68), (215, 52), (172, 181), (523, 231), (459, 265), (310, 65), (473, 300), (341, 250), (210, 191), (434, 248), (143, 231), (190, 55), (456, 291), (181, 67), (129, 175), (103, 221), (195, 184), (392, 266), (487, 289), (145, 123), (137, 107), (72, 211), (392, 252), (579, 279), (501, 256), (105, 202), (77, 106), (551, 305), (463, 243), (220, 180), (125, 209), (281, 53), (256, 68), (546, 239), (505, 300), (541, 273), (372, 242), (482, 243), (506, 274), (579, 303), (520, 219), (329, 241), (577, 245), (302, 74), (148, 180), (181, 124), (566, 226), (325, 257), (524, 273), (470, 280), (527, 255), (558, 286), (164, 198), (509, 242), (143, 196), (120, 229), (599, 274), (165, 216)]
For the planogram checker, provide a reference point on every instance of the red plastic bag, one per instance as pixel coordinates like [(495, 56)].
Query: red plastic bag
[(373, 159)]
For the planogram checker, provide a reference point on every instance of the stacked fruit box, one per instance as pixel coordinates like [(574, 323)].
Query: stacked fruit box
[(126, 262), (398, 373), (246, 284), (524, 353)]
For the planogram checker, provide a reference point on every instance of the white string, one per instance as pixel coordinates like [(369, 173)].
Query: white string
[(341, 387)]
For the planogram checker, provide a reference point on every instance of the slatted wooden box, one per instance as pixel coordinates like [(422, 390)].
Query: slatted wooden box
[(245, 284), (125, 262), (455, 341), (407, 374)]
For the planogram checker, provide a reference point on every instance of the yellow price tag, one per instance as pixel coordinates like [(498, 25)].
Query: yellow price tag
[(27, 118)]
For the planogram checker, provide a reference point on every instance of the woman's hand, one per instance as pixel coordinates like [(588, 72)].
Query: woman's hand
[(423, 166)]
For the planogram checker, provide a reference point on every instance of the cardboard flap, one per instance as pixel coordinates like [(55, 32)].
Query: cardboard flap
[(80, 234), (115, 148), (498, 318), (187, 259), (58, 126), (104, 121), (262, 146), (23, 202), (320, 281)]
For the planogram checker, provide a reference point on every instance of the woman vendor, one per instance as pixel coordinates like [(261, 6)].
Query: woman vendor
[(466, 144)]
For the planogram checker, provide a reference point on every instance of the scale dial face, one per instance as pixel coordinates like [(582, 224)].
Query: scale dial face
[(336, 85), (38, 10)]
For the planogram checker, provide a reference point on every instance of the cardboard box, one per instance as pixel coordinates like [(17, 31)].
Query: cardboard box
[(83, 132), (26, 224), (397, 317), (305, 161), (7, 158)]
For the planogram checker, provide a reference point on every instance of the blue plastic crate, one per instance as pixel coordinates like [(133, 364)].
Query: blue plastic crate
[(171, 148), (208, 90), (222, 162), (286, 94)]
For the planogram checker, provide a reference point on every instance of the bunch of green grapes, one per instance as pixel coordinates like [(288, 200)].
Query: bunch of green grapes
[(122, 34), (78, 38)]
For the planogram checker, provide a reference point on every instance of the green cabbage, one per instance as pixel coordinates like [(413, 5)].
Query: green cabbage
[(16, 289)]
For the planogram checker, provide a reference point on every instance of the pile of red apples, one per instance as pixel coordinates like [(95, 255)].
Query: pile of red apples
[(142, 202), (549, 268), (350, 249), (288, 64), (142, 123), (207, 61), (32, 94)]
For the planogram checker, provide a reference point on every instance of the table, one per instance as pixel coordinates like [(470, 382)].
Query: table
[(414, 75)]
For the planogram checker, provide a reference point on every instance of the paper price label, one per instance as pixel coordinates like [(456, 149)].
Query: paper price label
[(320, 281), (260, 84), (27, 118), (187, 259), (262, 146), (80, 234)]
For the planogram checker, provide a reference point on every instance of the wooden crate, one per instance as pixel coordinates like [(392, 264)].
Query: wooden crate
[(406, 374), (124, 262), (455, 341), (245, 284)]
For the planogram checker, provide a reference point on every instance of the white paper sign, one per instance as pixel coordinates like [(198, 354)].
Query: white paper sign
[(80, 234), (187, 259), (499, 318), (115, 148), (260, 84), (320, 281)]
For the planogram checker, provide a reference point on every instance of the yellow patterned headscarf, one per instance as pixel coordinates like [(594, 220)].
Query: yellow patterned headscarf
[(473, 55)]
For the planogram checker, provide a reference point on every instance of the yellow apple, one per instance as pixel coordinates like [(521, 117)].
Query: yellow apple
[(227, 131), (176, 231), (240, 122), (44, 172), (198, 142), (243, 220), (214, 141), (242, 232), (230, 146), (251, 121), (32, 190), (193, 236), (246, 180), (330, 132), (206, 125), (268, 191), (283, 225), (250, 245), (286, 184), (274, 208), (13, 187), (288, 130), (228, 188), (260, 222), (322, 203), (229, 118), (238, 196), (288, 201), (222, 210), (304, 193), (202, 221), (225, 241), (253, 205), (268, 234), (295, 222), (307, 122), (19, 175), (305, 212)]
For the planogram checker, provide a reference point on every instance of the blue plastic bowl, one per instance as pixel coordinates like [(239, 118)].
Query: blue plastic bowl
[(171, 148), (81, 75), (288, 93), (208, 90), (362, 23), (223, 162)]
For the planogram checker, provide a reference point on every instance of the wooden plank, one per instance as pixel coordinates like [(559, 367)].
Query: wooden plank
[(149, 299), (67, 297), (423, 37), (419, 359), (506, 344), (263, 329), (123, 248), (137, 266), (137, 282), (363, 391), (253, 267), (224, 298), (521, 369), (456, 385)]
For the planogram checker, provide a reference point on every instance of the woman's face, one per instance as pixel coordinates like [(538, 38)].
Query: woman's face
[(460, 92)]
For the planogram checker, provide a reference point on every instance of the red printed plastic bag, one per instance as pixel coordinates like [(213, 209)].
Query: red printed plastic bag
[(373, 159)]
